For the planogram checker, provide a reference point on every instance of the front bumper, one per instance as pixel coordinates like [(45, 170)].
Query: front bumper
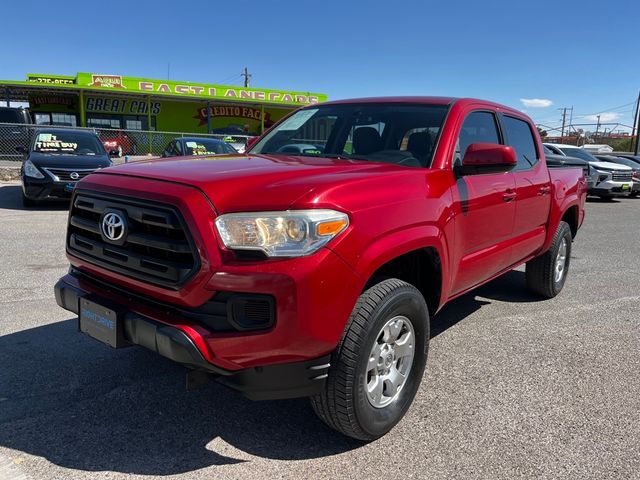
[(45, 188), (612, 188), (288, 380)]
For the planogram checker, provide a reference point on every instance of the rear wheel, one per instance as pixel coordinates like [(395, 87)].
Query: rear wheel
[(378, 365), (547, 273)]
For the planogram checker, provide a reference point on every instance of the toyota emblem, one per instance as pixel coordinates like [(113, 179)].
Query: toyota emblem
[(74, 175), (113, 226)]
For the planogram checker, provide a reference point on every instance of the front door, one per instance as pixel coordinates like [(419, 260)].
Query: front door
[(484, 210)]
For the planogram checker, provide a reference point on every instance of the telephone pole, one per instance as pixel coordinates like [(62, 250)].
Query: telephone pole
[(246, 76), (597, 127), (635, 131), (564, 119)]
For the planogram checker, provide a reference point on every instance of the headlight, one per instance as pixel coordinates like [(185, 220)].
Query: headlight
[(292, 233), (30, 170)]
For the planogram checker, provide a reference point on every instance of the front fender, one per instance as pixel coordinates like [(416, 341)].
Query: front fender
[(390, 246)]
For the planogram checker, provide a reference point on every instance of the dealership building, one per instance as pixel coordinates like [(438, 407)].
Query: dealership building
[(129, 103)]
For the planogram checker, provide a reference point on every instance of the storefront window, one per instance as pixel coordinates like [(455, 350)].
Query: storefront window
[(54, 118)]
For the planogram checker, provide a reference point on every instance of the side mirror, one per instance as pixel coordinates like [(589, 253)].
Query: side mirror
[(488, 158), (21, 149), (251, 141)]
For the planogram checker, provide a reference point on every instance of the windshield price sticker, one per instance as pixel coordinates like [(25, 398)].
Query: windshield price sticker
[(47, 141), (298, 119)]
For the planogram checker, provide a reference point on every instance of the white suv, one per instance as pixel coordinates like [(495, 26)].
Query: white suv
[(613, 180)]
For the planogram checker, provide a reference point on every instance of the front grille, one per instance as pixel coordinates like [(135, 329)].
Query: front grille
[(156, 248), (64, 174), (621, 176)]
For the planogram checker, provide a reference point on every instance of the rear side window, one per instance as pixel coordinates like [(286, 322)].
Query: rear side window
[(478, 127), (518, 135)]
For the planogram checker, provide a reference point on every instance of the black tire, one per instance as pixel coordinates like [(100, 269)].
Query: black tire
[(541, 271), (607, 198), (344, 404), (27, 202), (634, 194)]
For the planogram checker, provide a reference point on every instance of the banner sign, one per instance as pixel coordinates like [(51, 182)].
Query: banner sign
[(232, 111)]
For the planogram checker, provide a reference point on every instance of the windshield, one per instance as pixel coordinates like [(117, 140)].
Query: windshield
[(207, 147), (399, 133), (68, 143), (579, 153)]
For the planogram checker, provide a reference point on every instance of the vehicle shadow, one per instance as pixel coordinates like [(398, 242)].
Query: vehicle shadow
[(510, 287), (603, 200), (85, 406), (11, 199)]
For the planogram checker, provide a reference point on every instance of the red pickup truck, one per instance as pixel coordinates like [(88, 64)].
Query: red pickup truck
[(312, 264)]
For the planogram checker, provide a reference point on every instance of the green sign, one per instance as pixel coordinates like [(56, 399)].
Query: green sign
[(196, 90), (52, 79)]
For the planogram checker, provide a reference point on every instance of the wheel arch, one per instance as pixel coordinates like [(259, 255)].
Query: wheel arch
[(419, 259)]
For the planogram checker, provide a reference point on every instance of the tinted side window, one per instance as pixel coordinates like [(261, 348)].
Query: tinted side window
[(10, 116), (478, 127), (518, 135)]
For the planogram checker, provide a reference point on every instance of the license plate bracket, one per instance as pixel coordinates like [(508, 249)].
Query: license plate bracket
[(102, 321)]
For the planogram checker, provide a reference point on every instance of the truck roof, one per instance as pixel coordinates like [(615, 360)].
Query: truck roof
[(425, 100)]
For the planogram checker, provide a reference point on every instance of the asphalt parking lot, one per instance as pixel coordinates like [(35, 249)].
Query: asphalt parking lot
[(515, 387)]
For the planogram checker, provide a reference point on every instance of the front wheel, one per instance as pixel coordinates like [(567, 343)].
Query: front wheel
[(378, 365), (547, 273)]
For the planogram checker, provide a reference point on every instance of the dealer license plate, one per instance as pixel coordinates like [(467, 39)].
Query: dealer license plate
[(625, 186), (101, 322)]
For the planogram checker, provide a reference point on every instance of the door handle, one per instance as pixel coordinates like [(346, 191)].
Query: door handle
[(544, 190), (509, 195)]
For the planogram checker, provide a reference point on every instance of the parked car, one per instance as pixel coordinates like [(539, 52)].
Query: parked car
[(613, 179), (56, 160), (317, 274), (118, 141), (635, 158), (197, 146), (635, 168), (15, 131), (554, 160)]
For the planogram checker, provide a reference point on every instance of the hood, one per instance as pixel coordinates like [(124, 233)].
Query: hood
[(610, 166), (69, 161), (256, 182)]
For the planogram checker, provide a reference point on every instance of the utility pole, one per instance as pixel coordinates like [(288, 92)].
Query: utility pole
[(246, 76), (635, 131), (564, 118), (597, 127)]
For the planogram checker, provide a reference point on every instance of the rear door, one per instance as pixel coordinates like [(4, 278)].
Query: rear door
[(483, 207), (533, 188)]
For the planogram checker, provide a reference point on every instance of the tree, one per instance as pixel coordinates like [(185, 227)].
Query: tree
[(543, 133)]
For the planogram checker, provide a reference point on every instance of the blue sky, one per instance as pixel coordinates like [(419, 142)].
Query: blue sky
[(583, 54)]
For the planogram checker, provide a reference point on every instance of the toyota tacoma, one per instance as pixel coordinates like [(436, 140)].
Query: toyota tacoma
[(316, 272)]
